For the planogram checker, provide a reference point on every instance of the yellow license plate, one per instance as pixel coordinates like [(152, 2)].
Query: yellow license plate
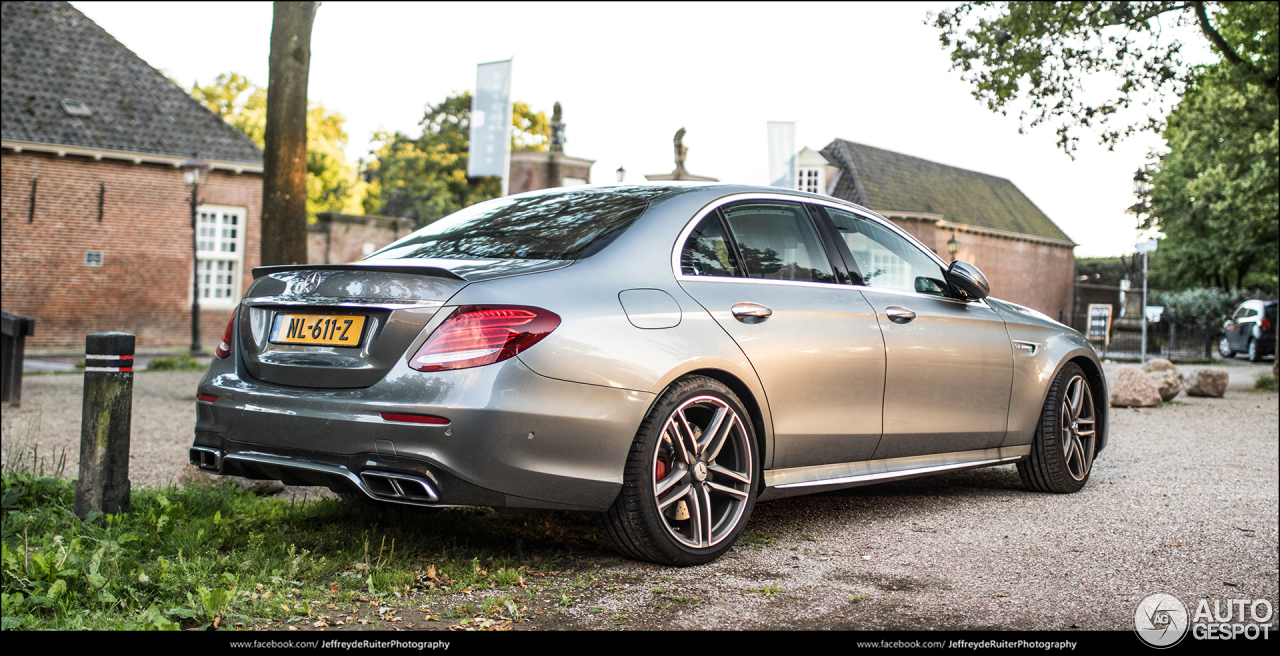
[(323, 329)]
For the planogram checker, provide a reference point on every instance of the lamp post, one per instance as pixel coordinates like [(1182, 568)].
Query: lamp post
[(621, 173), (195, 172), (953, 246), (1140, 189)]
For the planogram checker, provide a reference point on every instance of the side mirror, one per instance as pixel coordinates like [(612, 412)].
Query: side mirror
[(968, 280)]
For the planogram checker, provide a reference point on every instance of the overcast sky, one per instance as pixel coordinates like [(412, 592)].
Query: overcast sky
[(628, 76)]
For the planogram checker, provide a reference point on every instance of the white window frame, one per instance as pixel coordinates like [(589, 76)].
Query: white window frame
[(811, 179), (224, 245)]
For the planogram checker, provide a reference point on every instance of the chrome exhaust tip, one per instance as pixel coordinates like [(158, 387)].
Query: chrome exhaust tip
[(206, 458), (399, 487)]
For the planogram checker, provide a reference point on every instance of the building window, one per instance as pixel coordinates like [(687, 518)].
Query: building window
[(93, 258), (220, 249), (809, 180)]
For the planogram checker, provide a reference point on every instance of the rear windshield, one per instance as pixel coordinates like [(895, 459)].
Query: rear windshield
[(550, 226)]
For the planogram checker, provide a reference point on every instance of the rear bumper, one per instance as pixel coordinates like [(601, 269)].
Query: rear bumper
[(514, 438)]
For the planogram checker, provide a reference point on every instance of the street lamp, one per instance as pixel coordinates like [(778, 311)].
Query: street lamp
[(621, 173), (953, 246), (1140, 184), (195, 172)]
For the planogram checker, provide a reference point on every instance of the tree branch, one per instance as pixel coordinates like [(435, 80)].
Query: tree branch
[(1221, 43)]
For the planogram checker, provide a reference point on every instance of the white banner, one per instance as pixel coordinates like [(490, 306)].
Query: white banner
[(491, 122), (782, 154)]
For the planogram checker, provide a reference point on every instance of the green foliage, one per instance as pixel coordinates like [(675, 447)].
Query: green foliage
[(332, 182), (1215, 194), (1050, 54), (180, 363), (426, 178), (1202, 307), (1265, 383), (221, 557)]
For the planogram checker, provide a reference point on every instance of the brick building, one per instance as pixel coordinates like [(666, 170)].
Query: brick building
[(1027, 259), (96, 223)]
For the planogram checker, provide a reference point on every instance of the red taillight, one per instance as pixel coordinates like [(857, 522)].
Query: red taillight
[(476, 335), (1266, 323), (224, 349), (416, 419), (207, 398)]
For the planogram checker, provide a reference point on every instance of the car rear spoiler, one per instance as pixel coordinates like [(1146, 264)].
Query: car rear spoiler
[(435, 272)]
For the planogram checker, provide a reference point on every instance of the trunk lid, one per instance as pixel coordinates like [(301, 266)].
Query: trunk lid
[(338, 326)]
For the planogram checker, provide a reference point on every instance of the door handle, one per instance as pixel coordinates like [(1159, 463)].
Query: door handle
[(898, 314), (750, 312)]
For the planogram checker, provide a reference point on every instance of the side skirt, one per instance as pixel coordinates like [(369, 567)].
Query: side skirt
[(780, 483)]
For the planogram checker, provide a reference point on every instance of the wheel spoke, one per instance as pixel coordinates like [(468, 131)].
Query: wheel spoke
[(678, 442), (721, 470), (669, 482), (1085, 428), (676, 496), (1068, 445), (738, 494), (1075, 395), (717, 430), (702, 511), (688, 444)]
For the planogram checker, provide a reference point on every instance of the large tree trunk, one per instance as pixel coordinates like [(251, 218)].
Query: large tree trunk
[(284, 179)]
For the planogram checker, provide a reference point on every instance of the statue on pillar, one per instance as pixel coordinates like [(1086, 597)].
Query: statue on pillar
[(681, 152), (557, 130)]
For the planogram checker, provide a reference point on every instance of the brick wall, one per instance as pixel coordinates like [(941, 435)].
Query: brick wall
[(339, 238), (530, 171), (144, 284), (1039, 276)]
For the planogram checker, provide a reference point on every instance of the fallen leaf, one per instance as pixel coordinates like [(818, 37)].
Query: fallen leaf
[(293, 628), (362, 598), (409, 625), (268, 594), (333, 587), (319, 624), (465, 591), (286, 608), (330, 606), (257, 587)]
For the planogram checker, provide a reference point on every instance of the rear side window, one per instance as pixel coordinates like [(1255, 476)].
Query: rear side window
[(707, 253), (551, 226), (778, 241)]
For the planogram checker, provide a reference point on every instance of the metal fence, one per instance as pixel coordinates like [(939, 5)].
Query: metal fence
[(1164, 340)]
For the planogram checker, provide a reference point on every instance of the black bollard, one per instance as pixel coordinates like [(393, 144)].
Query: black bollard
[(104, 424)]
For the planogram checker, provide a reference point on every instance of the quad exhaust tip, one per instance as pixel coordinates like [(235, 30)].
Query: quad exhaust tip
[(206, 458), (387, 485)]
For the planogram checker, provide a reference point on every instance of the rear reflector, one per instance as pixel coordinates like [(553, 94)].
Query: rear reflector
[(416, 419), (224, 349), (206, 398), (1266, 323), (476, 335)]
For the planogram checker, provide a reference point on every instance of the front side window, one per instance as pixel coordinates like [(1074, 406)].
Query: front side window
[(219, 249), (886, 260), (777, 241)]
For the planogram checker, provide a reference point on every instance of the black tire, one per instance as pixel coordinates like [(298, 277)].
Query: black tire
[(1224, 348), (1062, 452), (678, 509), (1255, 353)]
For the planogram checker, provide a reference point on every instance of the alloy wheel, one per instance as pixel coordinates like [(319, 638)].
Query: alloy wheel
[(1078, 428), (702, 472)]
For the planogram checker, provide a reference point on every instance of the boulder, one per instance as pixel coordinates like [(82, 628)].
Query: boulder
[(1158, 364), (1209, 382), (1169, 382), (1134, 389), (190, 475)]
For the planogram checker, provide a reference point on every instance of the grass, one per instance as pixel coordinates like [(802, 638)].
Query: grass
[(180, 363), (1264, 383), (223, 558)]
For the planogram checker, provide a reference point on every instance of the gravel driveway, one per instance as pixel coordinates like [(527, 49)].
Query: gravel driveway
[(1183, 501)]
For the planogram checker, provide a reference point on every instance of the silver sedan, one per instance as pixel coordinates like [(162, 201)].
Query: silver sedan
[(665, 356)]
